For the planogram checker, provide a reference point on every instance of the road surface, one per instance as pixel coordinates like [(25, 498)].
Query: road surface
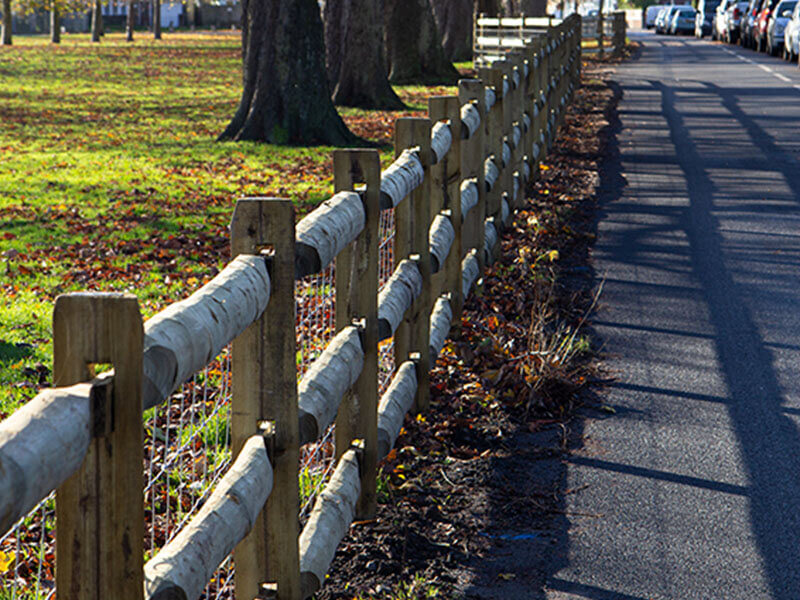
[(692, 489)]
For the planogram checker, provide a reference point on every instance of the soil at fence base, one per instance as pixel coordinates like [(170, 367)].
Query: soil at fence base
[(472, 496)]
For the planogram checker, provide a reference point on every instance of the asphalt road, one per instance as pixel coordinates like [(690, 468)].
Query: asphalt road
[(692, 489)]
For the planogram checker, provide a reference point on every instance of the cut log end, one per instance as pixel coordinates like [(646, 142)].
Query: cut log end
[(309, 584), (168, 591), (306, 261)]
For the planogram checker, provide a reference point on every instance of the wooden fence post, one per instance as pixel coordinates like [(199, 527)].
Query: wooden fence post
[(473, 155), (357, 301), (100, 508), (446, 181), (494, 130), (412, 222), (538, 91), (264, 385)]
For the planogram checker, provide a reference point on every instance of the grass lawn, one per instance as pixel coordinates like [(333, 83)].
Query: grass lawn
[(111, 178)]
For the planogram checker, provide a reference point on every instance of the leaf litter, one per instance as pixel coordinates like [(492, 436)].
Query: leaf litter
[(480, 474)]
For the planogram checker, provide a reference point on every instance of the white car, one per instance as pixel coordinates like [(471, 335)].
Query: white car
[(777, 25), (650, 15), (720, 22), (791, 36)]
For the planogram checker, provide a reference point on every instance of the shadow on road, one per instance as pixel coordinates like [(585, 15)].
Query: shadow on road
[(769, 441)]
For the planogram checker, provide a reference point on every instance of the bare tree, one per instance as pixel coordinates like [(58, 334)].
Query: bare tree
[(97, 20), (129, 22), (354, 55), (413, 47), (286, 98), (55, 23), (157, 19), (5, 36)]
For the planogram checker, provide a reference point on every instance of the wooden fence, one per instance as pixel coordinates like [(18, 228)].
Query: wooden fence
[(458, 176)]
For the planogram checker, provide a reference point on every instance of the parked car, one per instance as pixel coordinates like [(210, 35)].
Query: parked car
[(791, 36), (761, 24), (650, 14), (776, 27), (746, 33), (683, 21), (703, 24), (733, 19), (665, 22), (718, 23), (662, 15)]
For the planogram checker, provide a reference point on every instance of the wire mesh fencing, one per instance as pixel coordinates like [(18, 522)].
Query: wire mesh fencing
[(187, 448)]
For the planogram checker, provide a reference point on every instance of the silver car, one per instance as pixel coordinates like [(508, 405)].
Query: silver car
[(664, 22), (683, 21), (777, 25), (791, 36)]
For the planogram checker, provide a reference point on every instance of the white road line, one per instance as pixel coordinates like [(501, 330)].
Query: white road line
[(762, 67)]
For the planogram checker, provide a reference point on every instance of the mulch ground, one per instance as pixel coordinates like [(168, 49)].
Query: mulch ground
[(482, 469)]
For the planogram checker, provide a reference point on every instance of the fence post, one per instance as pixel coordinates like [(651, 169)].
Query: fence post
[(412, 223), (600, 30), (529, 101), (473, 155), (538, 98), (494, 130), (100, 508), (264, 372), (446, 182), (357, 301), (518, 108)]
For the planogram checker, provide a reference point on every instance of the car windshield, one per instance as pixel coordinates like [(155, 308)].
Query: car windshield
[(687, 13), (785, 9)]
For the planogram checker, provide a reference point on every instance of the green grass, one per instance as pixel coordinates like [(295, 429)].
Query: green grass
[(111, 177)]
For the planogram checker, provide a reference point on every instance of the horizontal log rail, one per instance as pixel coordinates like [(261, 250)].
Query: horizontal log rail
[(454, 185)]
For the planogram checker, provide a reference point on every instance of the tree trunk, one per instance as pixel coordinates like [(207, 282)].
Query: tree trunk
[(6, 33), (286, 98), (413, 46), (529, 8), (191, 14), (490, 8), (55, 24), (354, 55), (157, 19), (600, 29), (129, 22), (533, 8), (97, 20), (454, 21)]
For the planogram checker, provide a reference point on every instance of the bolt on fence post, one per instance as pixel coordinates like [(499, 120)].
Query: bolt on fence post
[(100, 508), (529, 100), (357, 299), (412, 223), (517, 152), (473, 155), (493, 130), (446, 191), (264, 372)]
